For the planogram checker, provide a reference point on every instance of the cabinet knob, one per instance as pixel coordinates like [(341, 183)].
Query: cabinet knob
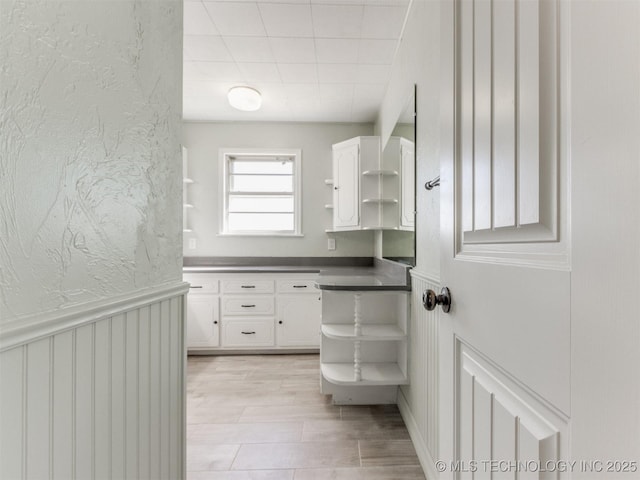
[(215, 322), (336, 188), (280, 322)]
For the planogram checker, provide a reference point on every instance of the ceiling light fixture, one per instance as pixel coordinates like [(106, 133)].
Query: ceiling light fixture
[(246, 99)]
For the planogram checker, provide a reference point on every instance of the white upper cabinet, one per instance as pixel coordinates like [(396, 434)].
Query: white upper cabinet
[(398, 157), (365, 188), (346, 185), (407, 185)]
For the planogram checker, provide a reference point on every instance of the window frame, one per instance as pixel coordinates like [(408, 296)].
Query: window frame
[(223, 193)]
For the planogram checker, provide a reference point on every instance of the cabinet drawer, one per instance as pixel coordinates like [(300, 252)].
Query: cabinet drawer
[(247, 332), (248, 286), (201, 282), (248, 305), (297, 286)]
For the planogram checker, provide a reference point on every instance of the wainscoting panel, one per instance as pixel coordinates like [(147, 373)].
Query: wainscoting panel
[(104, 399), (418, 401)]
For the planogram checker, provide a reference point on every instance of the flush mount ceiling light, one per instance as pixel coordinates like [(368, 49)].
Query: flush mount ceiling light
[(246, 99)]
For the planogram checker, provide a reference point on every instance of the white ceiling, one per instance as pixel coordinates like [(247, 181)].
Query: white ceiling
[(312, 60)]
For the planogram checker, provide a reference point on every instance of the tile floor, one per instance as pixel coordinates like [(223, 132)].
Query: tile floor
[(262, 417)]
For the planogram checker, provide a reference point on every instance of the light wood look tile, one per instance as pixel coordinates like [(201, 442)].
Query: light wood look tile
[(392, 428), (262, 417), (244, 433), (297, 455), (243, 475), (363, 473), (210, 457), (387, 453)]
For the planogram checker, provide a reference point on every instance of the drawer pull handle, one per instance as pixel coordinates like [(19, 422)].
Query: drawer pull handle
[(299, 286), (247, 306), (195, 286), (248, 333), (247, 286)]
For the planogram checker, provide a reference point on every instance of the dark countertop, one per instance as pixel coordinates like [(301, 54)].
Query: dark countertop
[(253, 269), (335, 273)]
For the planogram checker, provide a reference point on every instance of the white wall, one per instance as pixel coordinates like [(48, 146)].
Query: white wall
[(417, 63), (90, 186), (203, 140), (91, 307)]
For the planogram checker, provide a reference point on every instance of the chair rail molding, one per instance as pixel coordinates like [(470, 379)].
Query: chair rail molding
[(26, 329)]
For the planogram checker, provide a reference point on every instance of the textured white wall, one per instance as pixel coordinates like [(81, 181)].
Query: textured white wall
[(203, 140), (90, 184)]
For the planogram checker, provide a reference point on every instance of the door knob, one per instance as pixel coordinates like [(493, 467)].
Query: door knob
[(430, 299)]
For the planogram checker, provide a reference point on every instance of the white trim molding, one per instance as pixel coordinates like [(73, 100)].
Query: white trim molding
[(22, 330)]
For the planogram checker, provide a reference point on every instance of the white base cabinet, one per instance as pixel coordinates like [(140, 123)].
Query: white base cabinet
[(203, 321), (363, 355), (257, 311), (292, 331)]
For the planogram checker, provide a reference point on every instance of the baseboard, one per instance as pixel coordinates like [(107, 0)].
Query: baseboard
[(253, 351), (426, 461)]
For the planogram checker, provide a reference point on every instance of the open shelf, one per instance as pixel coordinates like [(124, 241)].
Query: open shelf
[(387, 173), (371, 373), (368, 332), (187, 180), (380, 200), (328, 181), (187, 205), (329, 206)]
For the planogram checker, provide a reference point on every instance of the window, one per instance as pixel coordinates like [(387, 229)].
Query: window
[(261, 192)]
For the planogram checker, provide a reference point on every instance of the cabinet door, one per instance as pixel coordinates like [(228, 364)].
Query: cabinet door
[(203, 321), (346, 187), (299, 320), (407, 186)]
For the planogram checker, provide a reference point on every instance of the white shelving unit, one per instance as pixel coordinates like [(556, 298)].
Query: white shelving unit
[(363, 351), (186, 181)]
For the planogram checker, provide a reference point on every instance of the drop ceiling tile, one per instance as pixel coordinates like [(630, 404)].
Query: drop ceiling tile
[(259, 72), (376, 74), (287, 20), (337, 21), (293, 50), (302, 92), (197, 88), (215, 71), (379, 52), (249, 49), (298, 72), (331, 50), (197, 20), (365, 95), (336, 94), (383, 22), (206, 48), (236, 18), (330, 73)]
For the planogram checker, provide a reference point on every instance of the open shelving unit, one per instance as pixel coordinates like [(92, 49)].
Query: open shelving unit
[(363, 353), (186, 181)]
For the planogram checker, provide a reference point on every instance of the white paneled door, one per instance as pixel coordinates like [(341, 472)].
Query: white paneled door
[(505, 345)]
